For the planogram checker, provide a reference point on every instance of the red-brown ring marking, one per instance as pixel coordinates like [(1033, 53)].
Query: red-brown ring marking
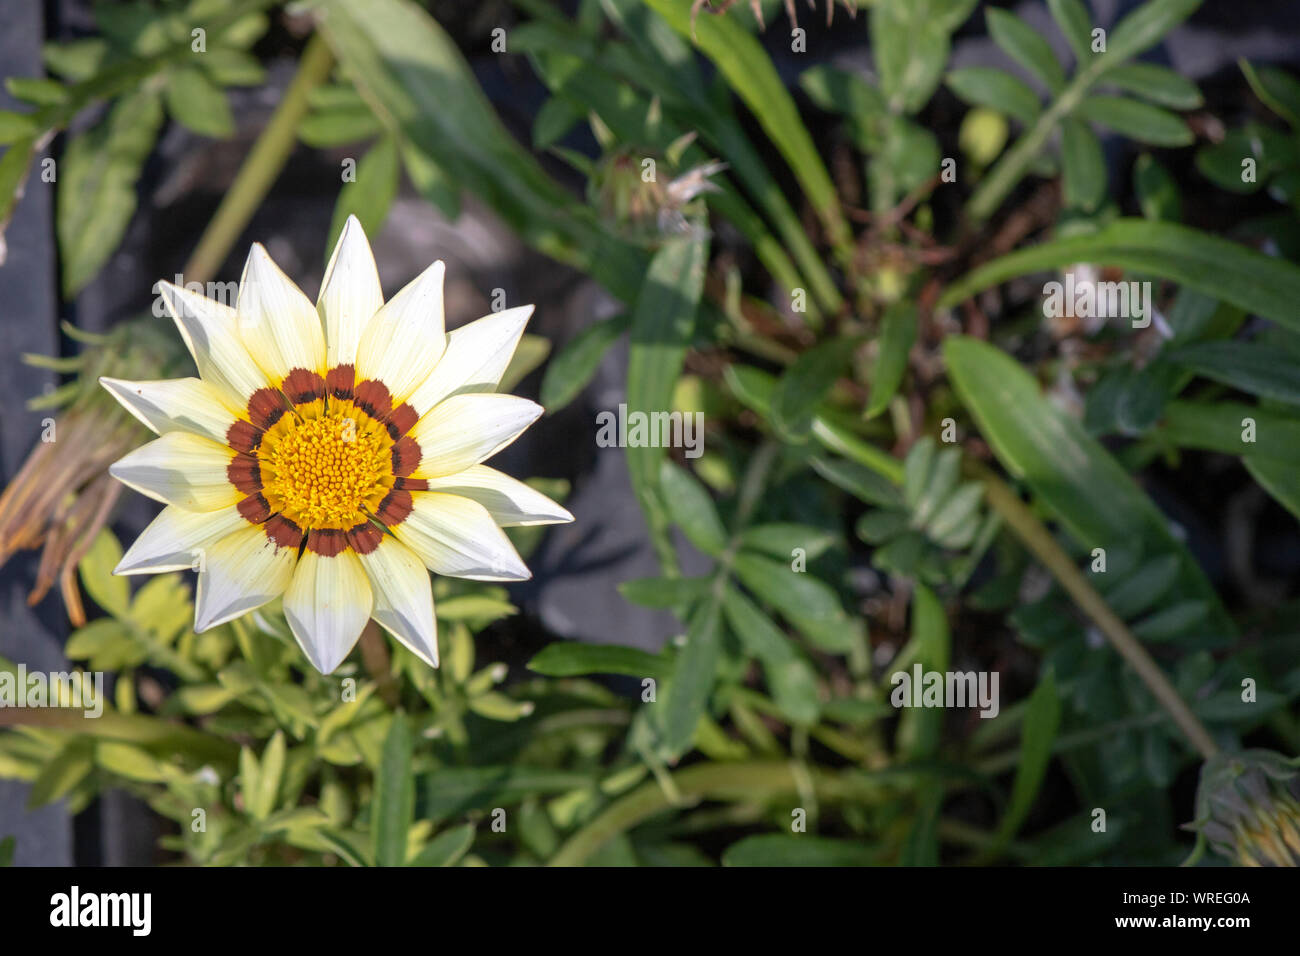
[(302, 386), (340, 381), (406, 456), (327, 542), (283, 532), (245, 474), (254, 508), (412, 484), (401, 420), (244, 436), (364, 538), (373, 398), (397, 504), (266, 406)]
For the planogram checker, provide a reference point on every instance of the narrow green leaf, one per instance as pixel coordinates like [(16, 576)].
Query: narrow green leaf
[(393, 808), (1279, 479), (691, 684), (804, 600), (569, 372), (1076, 26), (780, 539), (1157, 191), (897, 334), (1026, 46), (692, 510), (1233, 428), (1146, 26), (446, 848), (371, 195), (1157, 84), (1252, 368), (791, 679), (997, 90), (805, 383), (773, 849), (1084, 166), (920, 728), (1136, 120), (665, 592), (575, 659), (198, 104), (1042, 719)]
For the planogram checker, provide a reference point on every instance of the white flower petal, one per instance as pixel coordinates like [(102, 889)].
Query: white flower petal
[(180, 469), (327, 604), (243, 572), (403, 597), (179, 540), (350, 294), (465, 429), (508, 501), (476, 357), (278, 324), (457, 537), (406, 338), (177, 404), (210, 332)]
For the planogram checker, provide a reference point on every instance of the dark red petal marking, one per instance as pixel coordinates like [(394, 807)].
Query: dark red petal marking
[(401, 420), (243, 436), (254, 508), (406, 456), (364, 538), (265, 406), (303, 386), (283, 532), (412, 484), (340, 381), (397, 504), (245, 474), (327, 542), (372, 398)]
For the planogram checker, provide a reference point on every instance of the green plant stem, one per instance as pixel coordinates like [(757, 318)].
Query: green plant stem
[(262, 165), (1039, 541), (711, 781)]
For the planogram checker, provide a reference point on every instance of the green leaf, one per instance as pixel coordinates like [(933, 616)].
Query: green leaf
[(688, 690), (1222, 427), (449, 791), (446, 848), (1146, 26), (804, 600), (920, 728), (393, 807), (575, 659), (339, 126), (997, 90), (1070, 473), (1279, 479), (1076, 26), (1217, 267), (96, 195), (1157, 191), (780, 539), (198, 104), (111, 592), (371, 195), (1084, 166), (431, 180), (1158, 84), (692, 510), (792, 681), (772, 849), (1136, 120), (1253, 368), (1026, 46), (897, 334), (1276, 89), (910, 45), (665, 592), (554, 120), (570, 371), (805, 383), (1038, 733), (260, 801)]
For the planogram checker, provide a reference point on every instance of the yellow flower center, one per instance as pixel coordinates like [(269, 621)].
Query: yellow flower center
[(326, 471)]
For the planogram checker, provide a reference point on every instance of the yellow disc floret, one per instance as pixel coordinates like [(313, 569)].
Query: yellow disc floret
[(326, 472)]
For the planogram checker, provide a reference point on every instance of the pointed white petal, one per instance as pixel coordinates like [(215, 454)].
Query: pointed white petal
[(457, 537), (327, 604), (211, 333), (477, 355), (243, 572), (350, 294), (508, 501), (180, 469), (403, 597), (403, 343), (176, 404), (179, 540), (279, 326), (466, 429)]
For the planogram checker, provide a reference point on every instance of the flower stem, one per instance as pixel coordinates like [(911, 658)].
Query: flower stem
[(262, 165)]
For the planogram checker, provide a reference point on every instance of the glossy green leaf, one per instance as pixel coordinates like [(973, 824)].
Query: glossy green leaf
[(1233, 428), (804, 600), (920, 728)]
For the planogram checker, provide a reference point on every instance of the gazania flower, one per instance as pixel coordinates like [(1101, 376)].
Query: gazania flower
[(329, 455)]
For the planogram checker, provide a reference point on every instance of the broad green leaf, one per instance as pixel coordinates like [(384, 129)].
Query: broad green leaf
[(997, 90), (665, 592), (198, 104), (111, 592), (897, 334), (1076, 26), (393, 807), (1249, 367), (1136, 120), (1146, 26), (1084, 166), (1219, 268), (97, 179), (1079, 482), (772, 849), (692, 510), (687, 692), (371, 195), (843, 92), (575, 659), (1158, 84), (569, 371), (1026, 46), (446, 848)]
